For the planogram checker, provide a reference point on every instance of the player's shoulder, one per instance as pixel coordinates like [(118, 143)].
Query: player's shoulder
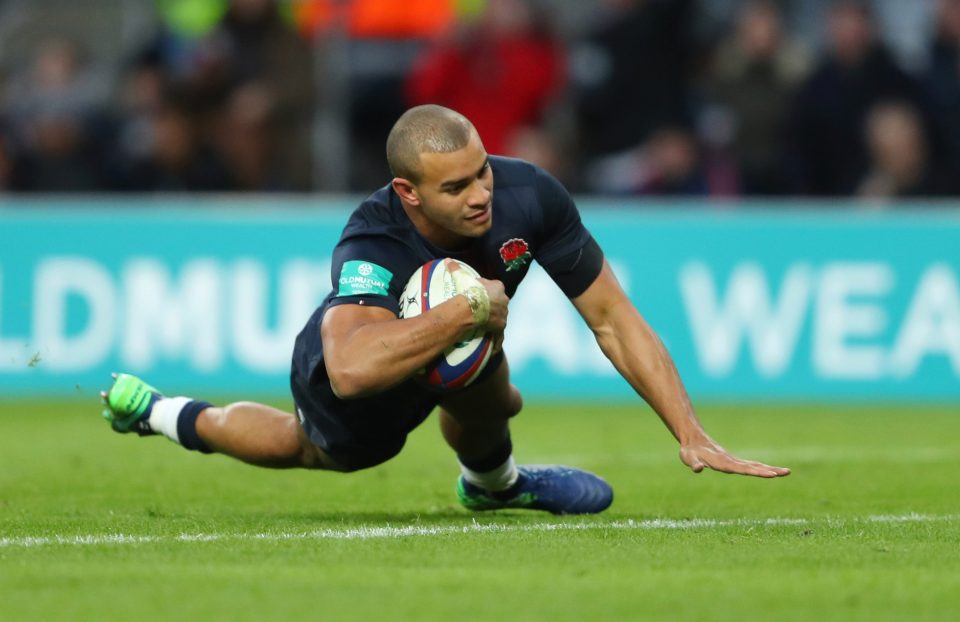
[(528, 185), (516, 173), (380, 214), (510, 172), (375, 210)]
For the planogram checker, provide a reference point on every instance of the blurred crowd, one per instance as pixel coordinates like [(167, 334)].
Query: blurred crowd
[(615, 97)]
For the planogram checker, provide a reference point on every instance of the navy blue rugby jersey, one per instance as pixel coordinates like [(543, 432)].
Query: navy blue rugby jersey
[(533, 216)]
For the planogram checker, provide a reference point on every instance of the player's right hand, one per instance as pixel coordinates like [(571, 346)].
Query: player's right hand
[(496, 320), (498, 310), (498, 304)]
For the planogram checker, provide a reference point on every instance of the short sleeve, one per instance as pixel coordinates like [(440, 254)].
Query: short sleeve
[(371, 270), (568, 252), (563, 232)]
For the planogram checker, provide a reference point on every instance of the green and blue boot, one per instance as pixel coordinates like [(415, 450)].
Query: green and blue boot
[(552, 488), (129, 402)]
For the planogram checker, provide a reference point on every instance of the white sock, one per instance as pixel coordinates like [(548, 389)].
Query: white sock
[(165, 414), (501, 478)]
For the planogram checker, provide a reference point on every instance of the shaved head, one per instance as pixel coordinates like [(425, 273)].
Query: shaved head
[(425, 129)]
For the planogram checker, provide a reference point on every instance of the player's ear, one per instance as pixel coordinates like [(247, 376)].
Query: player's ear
[(406, 190)]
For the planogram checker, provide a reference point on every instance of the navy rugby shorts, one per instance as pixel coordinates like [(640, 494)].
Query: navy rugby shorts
[(364, 432)]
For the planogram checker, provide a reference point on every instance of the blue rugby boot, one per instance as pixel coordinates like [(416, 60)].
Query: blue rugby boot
[(129, 402), (556, 489)]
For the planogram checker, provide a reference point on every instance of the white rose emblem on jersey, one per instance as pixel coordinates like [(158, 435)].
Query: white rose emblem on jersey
[(365, 269)]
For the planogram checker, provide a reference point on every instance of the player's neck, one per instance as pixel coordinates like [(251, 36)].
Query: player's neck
[(438, 236)]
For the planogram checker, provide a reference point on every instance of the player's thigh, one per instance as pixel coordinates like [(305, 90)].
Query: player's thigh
[(491, 397)]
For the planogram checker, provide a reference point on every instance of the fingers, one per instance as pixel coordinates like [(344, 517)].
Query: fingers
[(495, 320), (494, 287), (755, 469), (763, 470), (499, 305), (464, 279), (699, 458), (778, 472), (453, 267)]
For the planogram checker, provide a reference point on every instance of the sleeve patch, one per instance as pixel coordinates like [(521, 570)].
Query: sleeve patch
[(363, 277)]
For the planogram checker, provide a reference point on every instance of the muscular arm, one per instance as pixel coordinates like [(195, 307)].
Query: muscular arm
[(640, 357), (368, 350)]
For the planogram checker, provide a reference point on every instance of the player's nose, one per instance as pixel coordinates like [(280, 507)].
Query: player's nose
[(479, 195)]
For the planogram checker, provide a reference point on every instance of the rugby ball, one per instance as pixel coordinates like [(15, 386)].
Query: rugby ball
[(461, 364)]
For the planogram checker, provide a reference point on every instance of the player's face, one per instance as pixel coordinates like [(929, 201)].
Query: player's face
[(456, 191)]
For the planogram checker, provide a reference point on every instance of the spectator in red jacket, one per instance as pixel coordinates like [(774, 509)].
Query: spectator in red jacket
[(501, 73)]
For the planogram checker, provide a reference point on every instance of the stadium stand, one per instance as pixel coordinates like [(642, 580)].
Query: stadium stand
[(631, 97)]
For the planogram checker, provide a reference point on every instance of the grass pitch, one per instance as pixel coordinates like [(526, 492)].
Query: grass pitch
[(95, 525)]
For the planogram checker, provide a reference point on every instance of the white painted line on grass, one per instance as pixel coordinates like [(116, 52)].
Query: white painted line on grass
[(367, 533)]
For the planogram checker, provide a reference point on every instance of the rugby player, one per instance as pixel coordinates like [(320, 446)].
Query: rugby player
[(354, 365)]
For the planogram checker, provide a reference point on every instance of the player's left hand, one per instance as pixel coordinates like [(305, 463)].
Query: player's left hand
[(706, 454)]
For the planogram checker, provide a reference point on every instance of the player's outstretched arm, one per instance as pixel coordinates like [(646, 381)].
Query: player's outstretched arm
[(368, 350), (640, 357)]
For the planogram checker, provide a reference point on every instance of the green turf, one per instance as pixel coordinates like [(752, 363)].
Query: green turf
[(64, 474)]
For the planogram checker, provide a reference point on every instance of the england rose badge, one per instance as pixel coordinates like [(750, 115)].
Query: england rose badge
[(515, 254)]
